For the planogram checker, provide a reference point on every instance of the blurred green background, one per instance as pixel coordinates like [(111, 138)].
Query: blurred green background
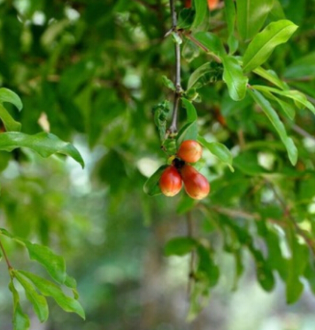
[(92, 71)]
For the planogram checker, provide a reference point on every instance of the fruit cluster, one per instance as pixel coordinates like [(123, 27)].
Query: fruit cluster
[(195, 184)]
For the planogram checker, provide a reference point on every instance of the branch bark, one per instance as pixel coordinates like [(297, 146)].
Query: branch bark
[(178, 89)]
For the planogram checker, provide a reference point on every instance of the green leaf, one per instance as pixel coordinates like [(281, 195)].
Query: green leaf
[(50, 289), (43, 143), (206, 73), (277, 12), (261, 47), (234, 78), (70, 282), (294, 289), (275, 259), (239, 267), (186, 18), (264, 275), (169, 146), (185, 204), (287, 108), (251, 16), (303, 68), (187, 132), (190, 109), (38, 301), (294, 95), (271, 76), (219, 150), (198, 299), (54, 264), (277, 124), (207, 269), (247, 162), (151, 186), (168, 83), (5, 233), (20, 319), (201, 8), (230, 15), (6, 95), (211, 41), (9, 123), (190, 50), (180, 246), (309, 274), (296, 266), (160, 112)]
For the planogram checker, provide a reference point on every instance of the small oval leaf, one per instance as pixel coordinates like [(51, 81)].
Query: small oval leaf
[(187, 132), (219, 150), (234, 78), (151, 186), (6, 95), (54, 264), (38, 301), (190, 109), (180, 246), (251, 15), (9, 123), (202, 11), (20, 319)]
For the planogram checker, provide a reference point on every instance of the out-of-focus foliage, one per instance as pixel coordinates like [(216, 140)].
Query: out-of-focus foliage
[(93, 71)]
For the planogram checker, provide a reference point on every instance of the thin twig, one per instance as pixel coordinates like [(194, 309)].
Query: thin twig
[(302, 132), (5, 256), (200, 45), (173, 13), (178, 89), (235, 213)]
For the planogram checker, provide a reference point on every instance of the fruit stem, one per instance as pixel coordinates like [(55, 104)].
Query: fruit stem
[(178, 89)]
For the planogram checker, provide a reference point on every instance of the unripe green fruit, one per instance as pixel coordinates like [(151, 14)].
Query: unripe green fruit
[(190, 151), (170, 181), (196, 185)]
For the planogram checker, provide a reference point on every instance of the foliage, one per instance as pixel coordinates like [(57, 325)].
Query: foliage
[(103, 71)]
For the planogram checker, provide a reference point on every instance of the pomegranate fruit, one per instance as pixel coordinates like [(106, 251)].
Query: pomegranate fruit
[(190, 151), (196, 185), (170, 181)]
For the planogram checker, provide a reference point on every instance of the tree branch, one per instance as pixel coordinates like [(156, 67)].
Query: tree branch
[(178, 89)]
